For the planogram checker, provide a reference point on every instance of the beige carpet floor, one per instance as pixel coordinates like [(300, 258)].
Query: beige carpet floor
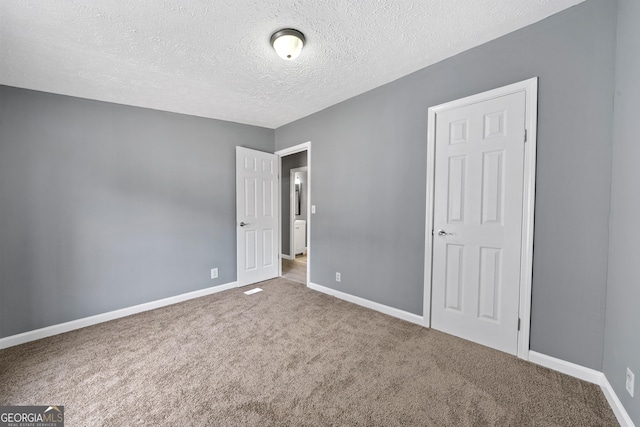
[(286, 356)]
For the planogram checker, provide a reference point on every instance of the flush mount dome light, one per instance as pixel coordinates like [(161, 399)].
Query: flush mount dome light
[(288, 43)]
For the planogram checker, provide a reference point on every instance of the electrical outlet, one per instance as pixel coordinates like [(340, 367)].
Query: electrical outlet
[(630, 381), (214, 273), (338, 277), (313, 209)]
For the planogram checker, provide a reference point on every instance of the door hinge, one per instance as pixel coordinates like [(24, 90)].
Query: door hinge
[(525, 135), (518, 323)]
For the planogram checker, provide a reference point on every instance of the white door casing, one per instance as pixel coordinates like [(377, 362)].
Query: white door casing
[(480, 218), (257, 207)]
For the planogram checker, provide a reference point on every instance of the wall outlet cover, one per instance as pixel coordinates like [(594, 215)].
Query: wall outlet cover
[(214, 273), (630, 381), (338, 277)]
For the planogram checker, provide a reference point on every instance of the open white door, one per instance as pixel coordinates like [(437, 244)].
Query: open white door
[(478, 219), (256, 215)]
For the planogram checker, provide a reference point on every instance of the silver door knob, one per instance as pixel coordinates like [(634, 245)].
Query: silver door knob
[(243, 224), (442, 233)]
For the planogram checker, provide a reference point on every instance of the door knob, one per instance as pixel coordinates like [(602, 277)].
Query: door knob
[(243, 224), (442, 233)]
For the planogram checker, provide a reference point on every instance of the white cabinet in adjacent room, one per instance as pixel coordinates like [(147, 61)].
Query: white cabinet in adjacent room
[(299, 236)]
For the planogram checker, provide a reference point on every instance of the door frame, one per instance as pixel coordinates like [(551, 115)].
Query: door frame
[(530, 87), (306, 146), (292, 207)]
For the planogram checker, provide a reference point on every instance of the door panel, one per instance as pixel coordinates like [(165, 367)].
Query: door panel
[(456, 185), (454, 277), (479, 172), (492, 187), (250, 197), (489, 283), (257, 215)]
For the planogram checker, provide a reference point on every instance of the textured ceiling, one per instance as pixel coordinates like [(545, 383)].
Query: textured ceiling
[(212, 58)]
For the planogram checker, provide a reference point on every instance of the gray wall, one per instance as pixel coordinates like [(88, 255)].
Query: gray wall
[(381, 254), (622, 336), (105, 206), (292, 161)]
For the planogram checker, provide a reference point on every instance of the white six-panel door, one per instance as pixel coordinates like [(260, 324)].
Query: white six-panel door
[(477, 221), (256, 215)]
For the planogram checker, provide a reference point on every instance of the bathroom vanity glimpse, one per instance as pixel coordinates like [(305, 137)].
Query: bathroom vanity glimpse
[(299, 236)]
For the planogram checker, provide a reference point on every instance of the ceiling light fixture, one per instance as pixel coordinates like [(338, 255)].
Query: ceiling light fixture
[(288, 43)]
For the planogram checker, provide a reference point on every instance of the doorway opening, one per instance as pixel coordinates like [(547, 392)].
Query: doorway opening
[(295, 212), (294, 267)]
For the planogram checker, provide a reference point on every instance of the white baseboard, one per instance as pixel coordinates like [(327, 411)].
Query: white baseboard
[(285, 256), (400, 314), (105, 317), (616, 405), (589, 375), (571, 369)]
